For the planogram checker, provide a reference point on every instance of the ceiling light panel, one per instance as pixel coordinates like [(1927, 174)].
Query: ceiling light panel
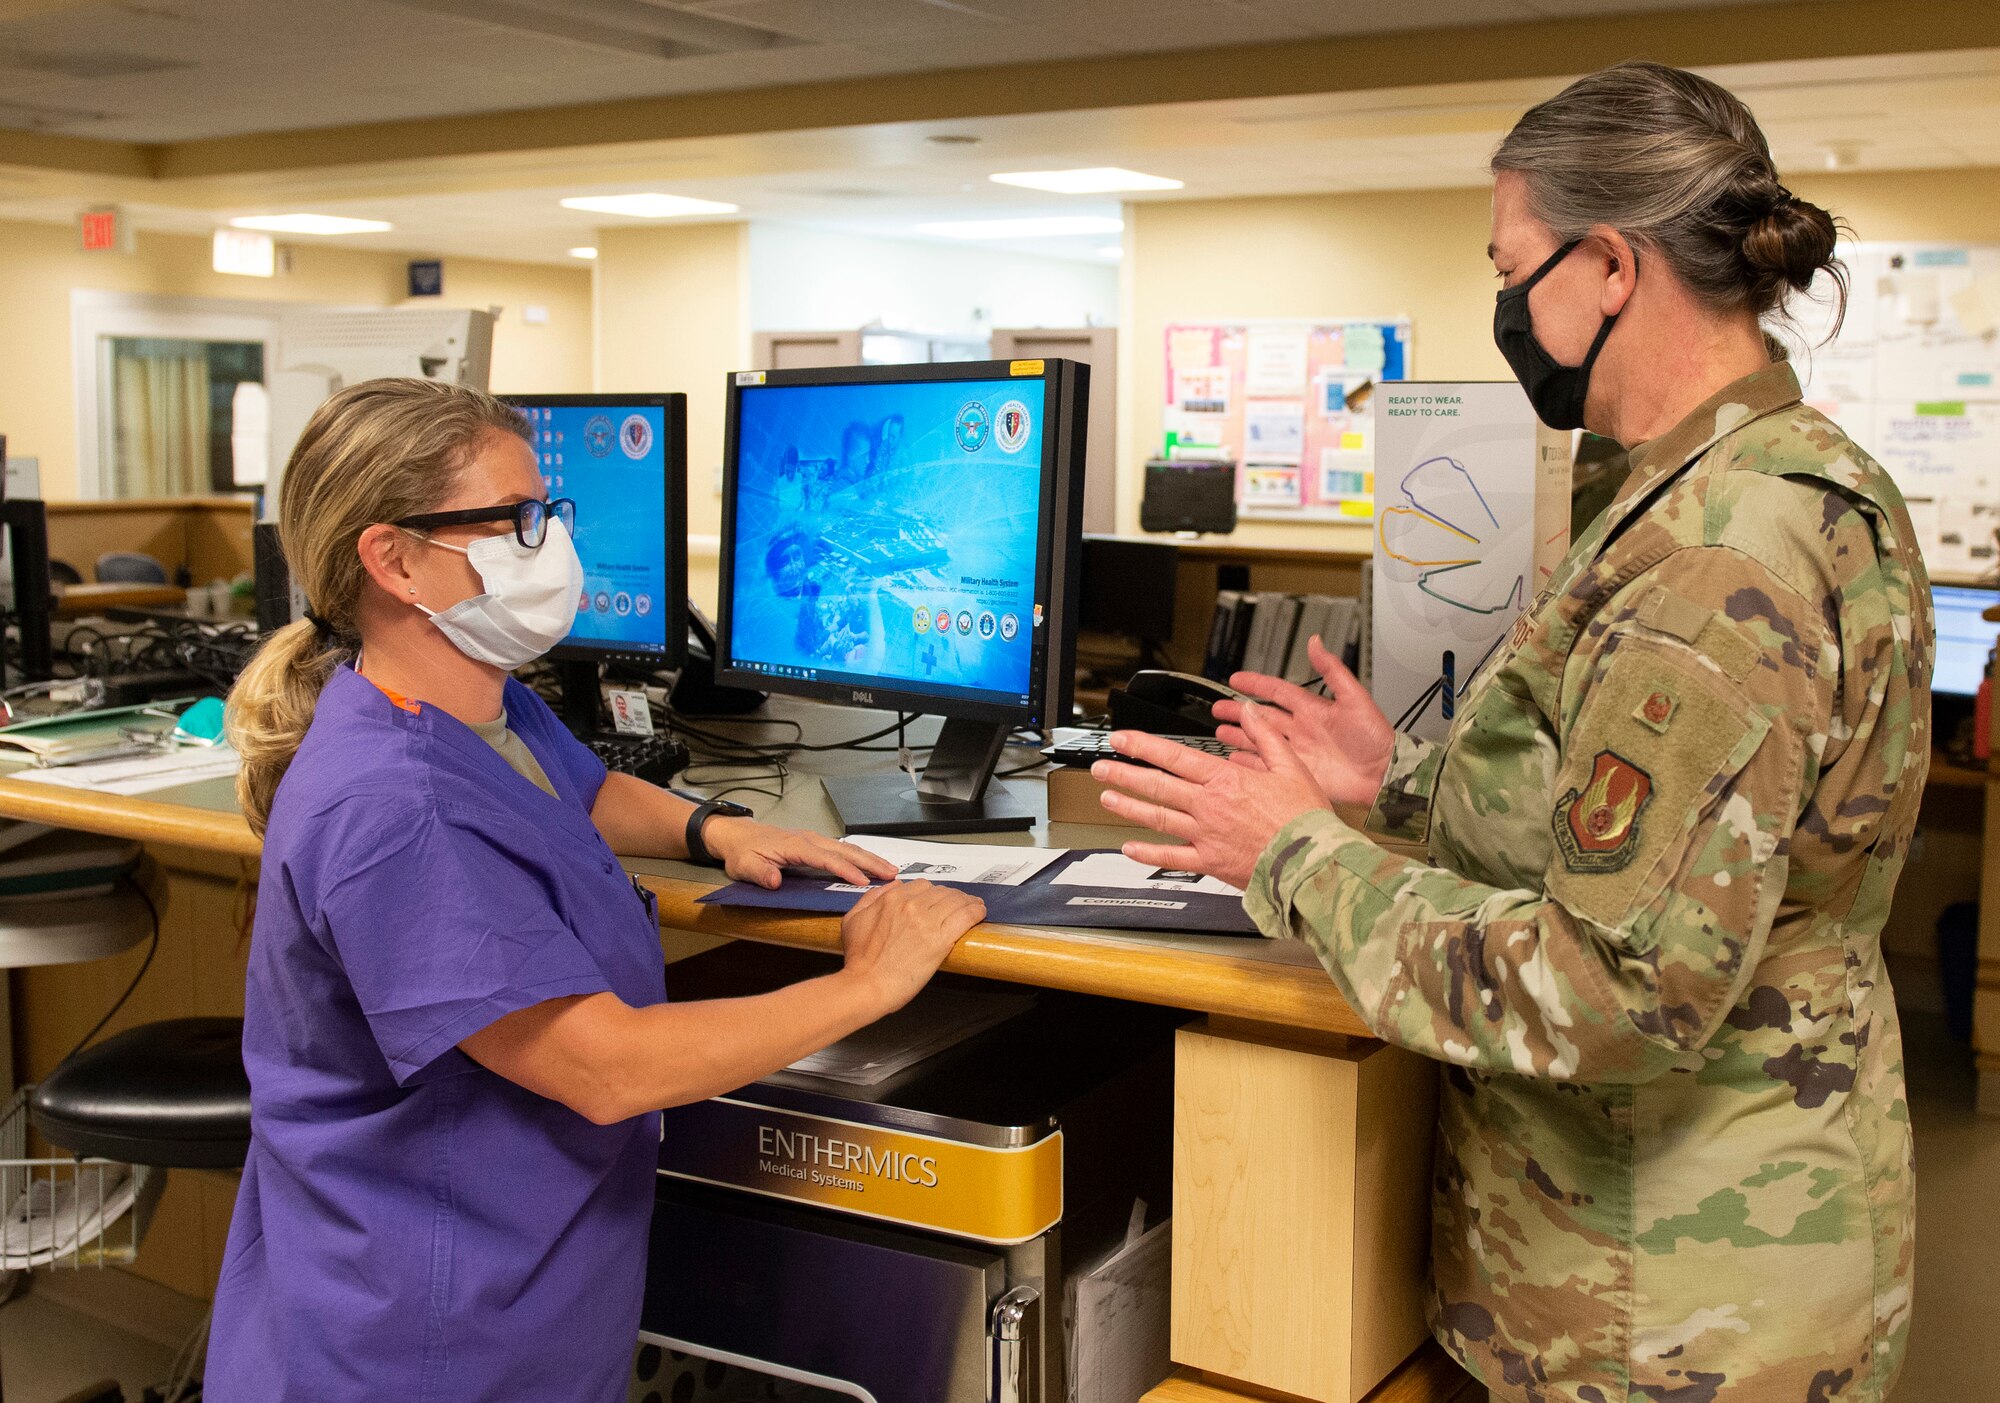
[(1051, 227), (1091, 180), (648, 206), (311, 224)]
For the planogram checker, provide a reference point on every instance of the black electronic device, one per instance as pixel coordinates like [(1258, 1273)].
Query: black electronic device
[(623, 460), (138, 686), (1196, 495), (906, 538), (27, 525), (1169, 703), (655, 759), (696, 692), (1082, 749), (1128, 590), (276, 606)]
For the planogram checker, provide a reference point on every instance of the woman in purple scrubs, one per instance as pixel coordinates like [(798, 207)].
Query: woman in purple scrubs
[(456, 1029)]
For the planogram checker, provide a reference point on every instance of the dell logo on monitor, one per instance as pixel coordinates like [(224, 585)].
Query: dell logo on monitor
[(861, 698)]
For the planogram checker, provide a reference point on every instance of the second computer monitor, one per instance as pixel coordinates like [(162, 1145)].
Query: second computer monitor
[(623, 460), (905, 538)]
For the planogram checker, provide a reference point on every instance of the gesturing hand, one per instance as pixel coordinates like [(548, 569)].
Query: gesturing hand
[(760, 853), (1224, 814), (1343, 739)]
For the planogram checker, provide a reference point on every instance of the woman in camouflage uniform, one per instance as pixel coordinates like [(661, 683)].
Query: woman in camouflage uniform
[(1674, 1155)]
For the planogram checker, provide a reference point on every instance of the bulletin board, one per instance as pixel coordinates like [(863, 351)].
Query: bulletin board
[(1914, 378), (1289, 401)]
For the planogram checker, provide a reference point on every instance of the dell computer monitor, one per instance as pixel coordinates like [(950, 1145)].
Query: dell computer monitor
[(623, 460), (906, 538)]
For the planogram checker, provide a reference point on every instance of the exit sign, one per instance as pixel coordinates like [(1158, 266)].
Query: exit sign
[(104, 231)]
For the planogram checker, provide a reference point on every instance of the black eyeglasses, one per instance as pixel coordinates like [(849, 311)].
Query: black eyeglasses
[(530, 518)]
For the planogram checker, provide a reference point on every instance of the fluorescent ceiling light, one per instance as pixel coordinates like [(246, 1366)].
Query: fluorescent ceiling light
[(1112, 251), (1093, 180), (1052, 227), (311, 224), (583, 253), (648, 206)]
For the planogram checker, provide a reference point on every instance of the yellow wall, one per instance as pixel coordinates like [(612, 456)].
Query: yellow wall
[(1415, 253), (1420, 254), (673, 314), (40, 265), (552, 358), (1942, 204)]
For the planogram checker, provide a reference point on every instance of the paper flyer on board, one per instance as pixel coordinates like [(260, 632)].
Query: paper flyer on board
[(1296, 393)]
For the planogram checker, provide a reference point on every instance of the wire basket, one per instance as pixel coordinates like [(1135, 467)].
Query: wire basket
[(68, 1212)]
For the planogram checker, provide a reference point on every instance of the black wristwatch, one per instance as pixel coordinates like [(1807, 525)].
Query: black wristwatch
[(704, 810)]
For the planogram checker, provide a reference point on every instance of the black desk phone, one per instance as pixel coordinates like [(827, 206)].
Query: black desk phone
[(1169, 703)]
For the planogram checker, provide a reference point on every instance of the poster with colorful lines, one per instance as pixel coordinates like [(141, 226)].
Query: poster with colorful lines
[(1471, 517)]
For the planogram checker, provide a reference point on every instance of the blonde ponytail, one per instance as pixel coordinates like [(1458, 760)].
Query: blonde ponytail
[(270, 708), (374, 452)]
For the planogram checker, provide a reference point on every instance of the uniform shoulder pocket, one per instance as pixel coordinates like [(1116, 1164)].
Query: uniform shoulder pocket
[(1655, 744)]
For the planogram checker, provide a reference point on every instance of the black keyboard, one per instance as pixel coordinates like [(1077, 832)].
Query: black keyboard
[(1088, 747), (655, 759)]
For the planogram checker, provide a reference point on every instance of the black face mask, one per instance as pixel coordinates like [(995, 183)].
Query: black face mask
[(1556, 391)]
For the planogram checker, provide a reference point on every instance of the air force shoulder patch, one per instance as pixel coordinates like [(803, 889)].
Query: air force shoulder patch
[(1597, 827)]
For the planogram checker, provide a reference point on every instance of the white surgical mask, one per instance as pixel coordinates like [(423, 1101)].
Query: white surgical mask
[(530, 599)]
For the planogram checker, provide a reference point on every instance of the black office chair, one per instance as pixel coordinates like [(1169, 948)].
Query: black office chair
[(171, 1094), (129, 567), (61, 572)]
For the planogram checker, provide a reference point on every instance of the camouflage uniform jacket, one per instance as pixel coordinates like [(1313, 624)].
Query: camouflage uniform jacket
[(1674, 1154)]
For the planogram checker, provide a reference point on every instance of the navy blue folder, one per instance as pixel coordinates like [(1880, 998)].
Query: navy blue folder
[(1036, 902)]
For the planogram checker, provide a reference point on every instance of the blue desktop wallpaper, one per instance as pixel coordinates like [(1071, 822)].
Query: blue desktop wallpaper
[(888, 534), (611, 460)]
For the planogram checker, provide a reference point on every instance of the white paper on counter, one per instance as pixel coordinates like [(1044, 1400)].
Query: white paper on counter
[(1120, 873), (982, 864), (139, 774)]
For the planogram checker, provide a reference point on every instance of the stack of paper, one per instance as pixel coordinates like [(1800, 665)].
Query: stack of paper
[(140, 774), (1119, 1320)]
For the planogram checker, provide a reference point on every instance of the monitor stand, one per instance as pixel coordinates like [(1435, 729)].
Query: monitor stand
[(582, 697), (954, 794)]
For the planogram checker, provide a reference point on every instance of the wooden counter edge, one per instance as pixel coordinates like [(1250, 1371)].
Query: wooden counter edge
[(1428, 1376), (123, 816), (1291, 996)]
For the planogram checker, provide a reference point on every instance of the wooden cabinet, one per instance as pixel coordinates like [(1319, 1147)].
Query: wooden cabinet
[(1301, 1208)]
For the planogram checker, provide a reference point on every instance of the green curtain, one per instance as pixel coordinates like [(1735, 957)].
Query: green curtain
[(161, 410)]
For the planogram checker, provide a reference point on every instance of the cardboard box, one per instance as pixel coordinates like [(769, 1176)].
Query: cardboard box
[(1471, 520)]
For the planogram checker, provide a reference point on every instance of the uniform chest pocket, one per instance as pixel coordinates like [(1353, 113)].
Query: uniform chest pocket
[(1640, 796)]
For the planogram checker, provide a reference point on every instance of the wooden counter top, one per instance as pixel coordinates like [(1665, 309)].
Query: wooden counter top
[(1252, 980)]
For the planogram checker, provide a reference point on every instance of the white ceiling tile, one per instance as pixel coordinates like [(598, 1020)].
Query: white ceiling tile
[(860, 21), (1561, 9), (1337, 17), (1143, 26)]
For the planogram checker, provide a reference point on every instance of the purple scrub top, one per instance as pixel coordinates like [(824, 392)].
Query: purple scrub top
[(412, 1226)]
